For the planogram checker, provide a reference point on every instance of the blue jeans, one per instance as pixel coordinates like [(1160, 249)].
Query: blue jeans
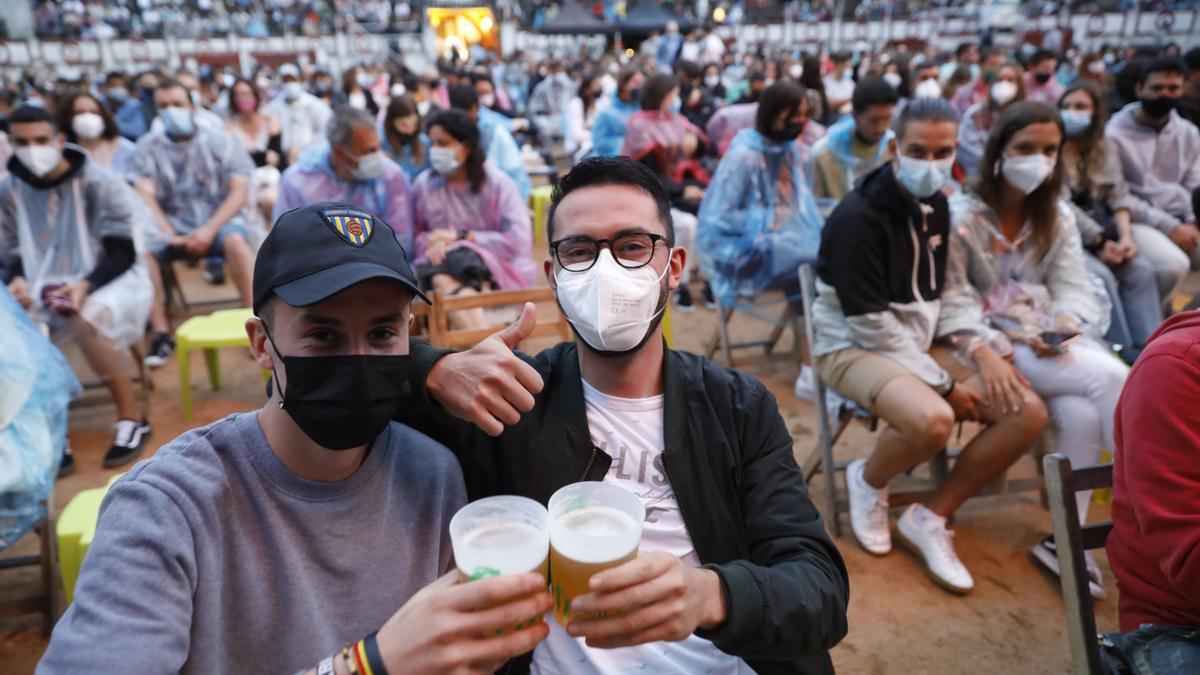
[(1136, 308), (1163, 650)]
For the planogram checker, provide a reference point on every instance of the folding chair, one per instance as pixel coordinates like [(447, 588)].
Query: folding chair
[(721, 339), (440, 334), (1071, 540), (44, 600)]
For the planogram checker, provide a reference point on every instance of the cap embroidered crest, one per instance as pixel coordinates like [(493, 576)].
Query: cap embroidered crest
[(353, 226)]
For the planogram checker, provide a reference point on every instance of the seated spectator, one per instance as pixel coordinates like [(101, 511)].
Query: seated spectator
[(714, 83), (608, 131), (966, 91), (88, 124), (839, 83), (548, 103), (183, 540), (695, 102), (349, 168), (664, 140), (1189, 102), (756, 83), (1099, 198), (1154, 546), (203, 117), (357, 85), (498, 144), (1160, 157), (69, 255), (471, 225), (261, 135), (967, 57), (302, 116), (925, 80), (1005, 87), (581, 115), (758, 222), (1016, 279), (810, 78), (494, 99), (403, 140), (196, 182), (880, 286), (125, 109), (856, 145), (1041, 83)]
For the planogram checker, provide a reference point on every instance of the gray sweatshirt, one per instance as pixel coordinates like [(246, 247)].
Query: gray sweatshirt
[(212, 557), (1162, 167)]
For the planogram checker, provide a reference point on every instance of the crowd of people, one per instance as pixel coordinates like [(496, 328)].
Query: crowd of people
[(996, 237)]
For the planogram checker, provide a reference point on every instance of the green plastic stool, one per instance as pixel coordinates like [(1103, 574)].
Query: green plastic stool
[(223, 328), (74, 531)]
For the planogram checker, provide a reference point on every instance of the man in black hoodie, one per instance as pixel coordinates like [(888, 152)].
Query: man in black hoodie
[(67, 255)]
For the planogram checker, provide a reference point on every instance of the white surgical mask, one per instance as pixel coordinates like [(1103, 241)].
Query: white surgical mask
[(292, 91), (1096, 67), (443, 160), (611, 307), (177, 121), (39, 159), (369, 166), (922, 178), (711, 81), (487, 100), (893, 80), (795, 71), (928, 89), (397, 90), (365, 80), (1076, 122), (423, 107), (357, 100), (88, 126), (1028, 172), (228, 80), (1003, 92)]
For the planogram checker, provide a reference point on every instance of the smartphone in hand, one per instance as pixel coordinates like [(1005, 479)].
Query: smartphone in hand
[(1059, 340)]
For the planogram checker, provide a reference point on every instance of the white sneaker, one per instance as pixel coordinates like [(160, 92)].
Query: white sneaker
[(1047, 554), (868, 511), (925, 533), (806, 386)]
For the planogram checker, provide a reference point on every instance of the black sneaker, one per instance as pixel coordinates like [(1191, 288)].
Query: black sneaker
[(127, 442), (162, 347), (67, 467), (214, 271), (683, 300), (1046, 553), (710, 301)]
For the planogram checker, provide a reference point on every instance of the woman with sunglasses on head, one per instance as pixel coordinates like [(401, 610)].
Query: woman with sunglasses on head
[(1017, 290), (471, 225)]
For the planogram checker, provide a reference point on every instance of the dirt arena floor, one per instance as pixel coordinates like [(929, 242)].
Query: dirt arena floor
[(900, 622)]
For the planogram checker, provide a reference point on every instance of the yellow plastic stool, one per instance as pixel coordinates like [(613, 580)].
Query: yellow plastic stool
[(223, 328), (74, 531), (539, 201)]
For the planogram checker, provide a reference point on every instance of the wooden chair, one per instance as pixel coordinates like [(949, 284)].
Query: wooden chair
[(1071, 540), (821, 458), (44, 600), (440, 334)]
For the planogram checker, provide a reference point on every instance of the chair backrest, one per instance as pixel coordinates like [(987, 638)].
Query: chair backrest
[(1070, 541), (550, 323)]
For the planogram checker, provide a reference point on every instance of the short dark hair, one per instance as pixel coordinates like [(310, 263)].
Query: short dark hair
[(688, 68), (872, 91), (1042, 55), (841, 57), (464, 97), (1191, 59), (1162, 64), (28, 114), (655, 90), (963, 48), (925, 109), (170, 83), (783, 96), (617, 170)]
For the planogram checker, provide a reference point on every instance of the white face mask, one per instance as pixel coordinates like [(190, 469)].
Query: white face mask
[(292, 91), (365, 80), (39, 159), (369, 166), (928, 89), (487, 100), (444, 160), (711, 81), (423, 107), (1028, 172), (88, 126), (795, 71), (922, 178), (894, 80), (397, 90), (357, 100), (1003, 92), (611, 307)]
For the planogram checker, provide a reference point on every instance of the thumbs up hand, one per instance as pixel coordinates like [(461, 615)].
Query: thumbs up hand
[(488, 385)]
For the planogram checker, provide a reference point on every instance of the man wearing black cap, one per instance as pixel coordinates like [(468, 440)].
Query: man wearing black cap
[(268, 541)]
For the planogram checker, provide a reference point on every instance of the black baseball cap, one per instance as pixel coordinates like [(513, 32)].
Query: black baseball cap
[(319, 250)]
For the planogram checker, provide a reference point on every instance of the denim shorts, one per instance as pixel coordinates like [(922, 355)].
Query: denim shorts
[(1163, 650)]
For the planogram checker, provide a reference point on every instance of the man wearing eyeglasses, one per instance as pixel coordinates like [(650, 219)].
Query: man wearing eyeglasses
[(735, 572)]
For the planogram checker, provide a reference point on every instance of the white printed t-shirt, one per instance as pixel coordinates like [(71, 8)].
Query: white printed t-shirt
[(631, 431)]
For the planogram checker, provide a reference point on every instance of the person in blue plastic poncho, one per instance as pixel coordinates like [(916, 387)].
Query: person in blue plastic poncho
[(608, 131), (759, 222), (854, 145), (494, 137)]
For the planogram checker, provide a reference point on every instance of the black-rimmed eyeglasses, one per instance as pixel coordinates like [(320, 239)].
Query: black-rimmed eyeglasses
[(631, 251)]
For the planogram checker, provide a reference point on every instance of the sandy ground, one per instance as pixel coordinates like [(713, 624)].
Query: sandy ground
[(900, 622)]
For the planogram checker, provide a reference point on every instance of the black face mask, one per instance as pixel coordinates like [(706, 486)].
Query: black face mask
[(1159, 107), (1042, 78), (344, 401), (788, 133)]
